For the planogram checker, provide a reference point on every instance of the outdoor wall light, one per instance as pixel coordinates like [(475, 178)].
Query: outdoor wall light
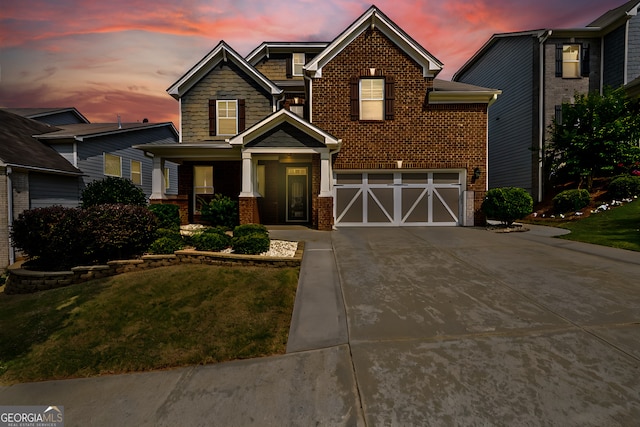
[(476, 173)]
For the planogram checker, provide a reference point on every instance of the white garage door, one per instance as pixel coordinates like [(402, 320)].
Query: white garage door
[(398, 198)]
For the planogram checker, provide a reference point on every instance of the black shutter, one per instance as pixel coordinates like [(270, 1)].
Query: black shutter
[(585, 69), (290, 66), (558, 60), (389, 97), (212, 117), (241, 115), (355, 97), (558, 115)]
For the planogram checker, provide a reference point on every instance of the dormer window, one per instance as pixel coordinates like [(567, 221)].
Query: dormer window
[(298, 62)]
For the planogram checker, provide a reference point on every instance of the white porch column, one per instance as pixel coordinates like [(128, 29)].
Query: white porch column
[(325, 174), (248, 173), (157, 179)]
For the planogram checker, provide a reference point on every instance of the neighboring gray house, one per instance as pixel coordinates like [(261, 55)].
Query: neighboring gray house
[(539, 70), (32, 175), (51, 116)]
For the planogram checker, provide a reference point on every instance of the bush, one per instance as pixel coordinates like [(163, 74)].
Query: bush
[(51, 237), (251, 244), (210, 241), (248, 229), (507, 204), (624, 187), (220, 211), (571, 200), (167, 241), (112, 190), (168, 215), (119, 231)]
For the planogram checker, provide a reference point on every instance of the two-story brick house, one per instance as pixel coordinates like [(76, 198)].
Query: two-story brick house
[(356, 131), (540, 70)]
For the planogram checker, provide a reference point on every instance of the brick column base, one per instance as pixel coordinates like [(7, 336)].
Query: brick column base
[(248, 207), (325, 213)]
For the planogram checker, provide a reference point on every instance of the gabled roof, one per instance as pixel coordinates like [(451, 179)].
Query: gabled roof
[(35, 113), (221, 53), (82, 131), (628, 9), (19, 148), (267, 48), (370, 19), (285, 116)]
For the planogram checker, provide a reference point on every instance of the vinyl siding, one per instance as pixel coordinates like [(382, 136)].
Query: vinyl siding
[(48, 190), (66, 151), (613, 66), (633, 66), (90, 155), (56, 119), (509, 66)]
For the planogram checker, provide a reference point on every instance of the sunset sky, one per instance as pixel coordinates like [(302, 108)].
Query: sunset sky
[(118, 57)]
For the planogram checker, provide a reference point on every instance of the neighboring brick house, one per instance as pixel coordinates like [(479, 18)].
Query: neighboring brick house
[(356, 131), (540, 70)]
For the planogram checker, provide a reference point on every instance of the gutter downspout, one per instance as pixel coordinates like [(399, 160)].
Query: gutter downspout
[(309, 96), (12, 255), (541, 127)]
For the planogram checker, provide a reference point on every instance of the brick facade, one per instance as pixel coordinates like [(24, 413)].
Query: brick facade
[(249, 213), (423, 136)]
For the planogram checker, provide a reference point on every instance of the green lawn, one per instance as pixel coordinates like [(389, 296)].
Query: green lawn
[(165, 317), (618, 227)]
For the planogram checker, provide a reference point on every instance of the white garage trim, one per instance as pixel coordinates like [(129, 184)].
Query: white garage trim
[(395, 198)]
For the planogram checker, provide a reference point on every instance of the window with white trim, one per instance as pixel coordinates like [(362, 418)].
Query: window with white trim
[(227, 117), (371, 99), (570, 61), (136, 172), (112, 165), (298, 63), (167, 181), (202, 186)]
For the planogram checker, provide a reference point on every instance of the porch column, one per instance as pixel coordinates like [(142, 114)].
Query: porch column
[(157, 179), (248, 173), (325, 174)]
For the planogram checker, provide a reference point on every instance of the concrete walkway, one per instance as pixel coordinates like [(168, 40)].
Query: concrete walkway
[(412, 326)]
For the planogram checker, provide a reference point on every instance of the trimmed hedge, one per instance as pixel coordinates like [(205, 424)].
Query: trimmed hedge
[(112, 190), (251, 244), (221, 211), (571, 200), (624, 187), (213, 242), (167, 242), (248, 229), (507, 204), (168, 215)]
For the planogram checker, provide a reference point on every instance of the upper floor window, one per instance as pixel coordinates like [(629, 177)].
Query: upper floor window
[(298, 63), (112, 165), (136, 172), (372, 96), (572, 61), (372, 99), (226, 117)]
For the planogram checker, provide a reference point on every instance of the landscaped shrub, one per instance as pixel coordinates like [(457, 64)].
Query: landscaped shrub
[(248, 229), (112, 190), (507, 204), (571, 200), (210, 241), (220, 211), (51, 237), (167, 241), (168, 215), (118, 231), (624, 187), (251, 244)]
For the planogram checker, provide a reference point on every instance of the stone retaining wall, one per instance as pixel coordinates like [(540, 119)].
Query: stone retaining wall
[(23, 281)]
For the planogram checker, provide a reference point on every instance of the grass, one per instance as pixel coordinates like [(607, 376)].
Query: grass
[(618, 227), (161, 318)]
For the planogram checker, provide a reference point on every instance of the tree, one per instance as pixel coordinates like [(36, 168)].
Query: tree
[(596, 133), (112, 190)]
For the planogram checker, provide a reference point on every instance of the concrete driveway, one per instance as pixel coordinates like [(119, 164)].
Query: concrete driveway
[(455, 326), (412, 327)]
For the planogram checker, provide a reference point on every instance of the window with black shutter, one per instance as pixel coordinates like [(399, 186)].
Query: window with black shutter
[(212, 117)]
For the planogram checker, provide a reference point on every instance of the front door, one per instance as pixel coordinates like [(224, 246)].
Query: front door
[(297, 198)]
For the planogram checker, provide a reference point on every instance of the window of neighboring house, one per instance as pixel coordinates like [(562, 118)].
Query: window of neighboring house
[(166, 178), (371, 99), (202, 186), (298, 63), (136, 172), (570, 61), (297, 109), (112, 165), (227, 117)]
